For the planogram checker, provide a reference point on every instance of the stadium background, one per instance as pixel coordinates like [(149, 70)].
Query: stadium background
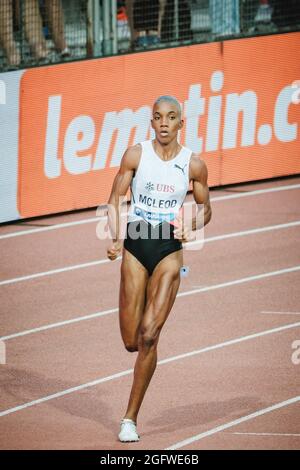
[(66, 123)]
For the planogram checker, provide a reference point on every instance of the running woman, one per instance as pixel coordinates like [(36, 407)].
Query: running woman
[(158, 172)]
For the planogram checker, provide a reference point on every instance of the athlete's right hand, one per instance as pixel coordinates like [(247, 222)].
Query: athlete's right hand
[(182, 231), (114, 250)]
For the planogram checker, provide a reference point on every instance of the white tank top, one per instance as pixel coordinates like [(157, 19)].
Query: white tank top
[(159, 187)]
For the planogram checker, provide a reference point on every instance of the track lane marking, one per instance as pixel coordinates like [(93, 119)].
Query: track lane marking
[(97, 219), (164, 361), (89, 264), (263, 434), (235, 422), (181, 294), (280, 313)]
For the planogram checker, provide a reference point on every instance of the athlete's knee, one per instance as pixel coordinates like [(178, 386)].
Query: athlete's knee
[(131, 347), (147, 341), (149, 338)]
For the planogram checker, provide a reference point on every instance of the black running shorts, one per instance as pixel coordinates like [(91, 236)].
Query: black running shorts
[(150, 244)]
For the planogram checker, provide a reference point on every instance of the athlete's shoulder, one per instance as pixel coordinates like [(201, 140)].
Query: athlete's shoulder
[(132, 157), (198, 168)]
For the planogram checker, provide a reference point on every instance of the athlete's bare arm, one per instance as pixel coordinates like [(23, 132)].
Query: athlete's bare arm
[(198, 175), (123, 178)]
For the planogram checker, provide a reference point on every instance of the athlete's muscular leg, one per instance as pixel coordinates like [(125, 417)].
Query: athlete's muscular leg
[(132, 298), (161, 293)]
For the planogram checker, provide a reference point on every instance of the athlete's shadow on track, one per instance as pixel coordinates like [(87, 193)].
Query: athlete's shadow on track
[(198, 414), (26, 386)]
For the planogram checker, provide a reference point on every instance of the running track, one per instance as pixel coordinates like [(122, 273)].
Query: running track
[(225, 378)]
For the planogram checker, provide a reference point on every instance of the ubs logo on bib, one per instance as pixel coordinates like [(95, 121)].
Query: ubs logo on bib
[(149, 186), (161, 188)]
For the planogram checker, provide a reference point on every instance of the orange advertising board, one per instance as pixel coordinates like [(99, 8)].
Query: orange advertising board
[(76, 120)]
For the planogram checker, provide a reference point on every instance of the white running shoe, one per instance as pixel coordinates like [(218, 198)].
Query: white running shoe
[(128, 431)]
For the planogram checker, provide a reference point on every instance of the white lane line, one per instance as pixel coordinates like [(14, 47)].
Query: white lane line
[(241, 281), (129, 371), (258, 191), (281, 313), (59, 324), (181, 294), (268, 228), (263, 434), (97, 219), (243, 419), (65, 392), (55, 271), (230, 342), (51, 227)]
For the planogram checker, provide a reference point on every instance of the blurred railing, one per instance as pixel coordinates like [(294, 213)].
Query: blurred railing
[(36, 32)]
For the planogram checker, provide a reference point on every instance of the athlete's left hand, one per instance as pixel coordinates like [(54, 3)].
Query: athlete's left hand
[(114, 250), (182, 231)]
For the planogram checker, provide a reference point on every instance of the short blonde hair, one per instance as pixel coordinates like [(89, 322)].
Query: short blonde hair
[(168, 99)]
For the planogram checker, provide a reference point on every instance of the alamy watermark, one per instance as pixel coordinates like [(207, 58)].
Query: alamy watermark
[(188, 221), (296, 354), (2, 352), (296, 93), (2, 92)]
